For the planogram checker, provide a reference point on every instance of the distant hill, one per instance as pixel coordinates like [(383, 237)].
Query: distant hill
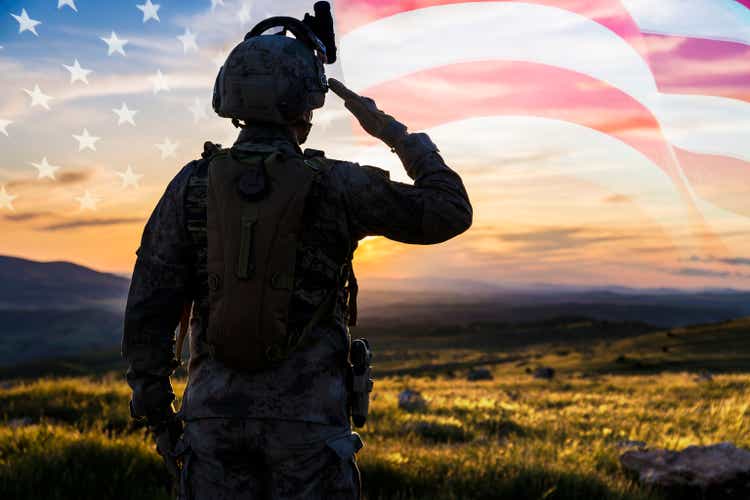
[(57, 310), (28, 284), (664, 308), (717, 347), (52, 311), (32, 335)]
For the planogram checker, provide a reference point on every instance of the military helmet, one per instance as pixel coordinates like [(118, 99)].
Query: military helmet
[(273, 78)]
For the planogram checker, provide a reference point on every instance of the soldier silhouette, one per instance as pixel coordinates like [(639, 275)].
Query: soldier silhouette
[(255, 244)]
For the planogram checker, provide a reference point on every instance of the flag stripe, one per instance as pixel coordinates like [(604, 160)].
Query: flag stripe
[(351, 14), (556, 38), (493, 142), (727, 20), (490, 88), (717, 179), (699, 66), (705, 124), (552, 36)]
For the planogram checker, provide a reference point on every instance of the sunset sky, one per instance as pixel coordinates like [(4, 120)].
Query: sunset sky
[(602, 142)]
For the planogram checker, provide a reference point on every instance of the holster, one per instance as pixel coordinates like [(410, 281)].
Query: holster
[(360, 382)]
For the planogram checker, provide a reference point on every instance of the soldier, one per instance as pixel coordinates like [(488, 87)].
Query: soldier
[(261, 236)]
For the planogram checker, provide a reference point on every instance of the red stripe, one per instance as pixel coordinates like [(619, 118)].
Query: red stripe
[(492, 88), (680, 64), (699, 66), (351, 14), (717, 179), (746, 3)]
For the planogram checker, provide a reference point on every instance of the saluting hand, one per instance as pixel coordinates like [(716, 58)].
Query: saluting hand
[(374, 121)]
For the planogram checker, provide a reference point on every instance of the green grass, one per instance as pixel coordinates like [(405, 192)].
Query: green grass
[(512, 437), (57, 463)]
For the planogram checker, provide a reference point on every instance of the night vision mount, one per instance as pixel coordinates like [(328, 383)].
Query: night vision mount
[(315, 31)]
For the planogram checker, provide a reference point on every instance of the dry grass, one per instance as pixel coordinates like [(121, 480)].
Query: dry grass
[(513, 437)]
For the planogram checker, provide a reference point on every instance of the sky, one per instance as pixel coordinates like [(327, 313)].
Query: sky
[(602, 142)]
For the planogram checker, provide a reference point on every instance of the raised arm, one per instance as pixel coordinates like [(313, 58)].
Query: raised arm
[(434, 209)]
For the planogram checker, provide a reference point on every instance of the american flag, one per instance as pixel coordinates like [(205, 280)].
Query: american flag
[(647, 101)]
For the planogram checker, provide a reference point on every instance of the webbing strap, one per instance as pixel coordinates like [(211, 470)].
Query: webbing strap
[(246, 259)]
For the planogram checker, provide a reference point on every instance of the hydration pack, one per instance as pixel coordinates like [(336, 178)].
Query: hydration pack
[(256, 199)]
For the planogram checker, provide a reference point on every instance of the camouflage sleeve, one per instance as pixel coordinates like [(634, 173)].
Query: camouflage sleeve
[(158, 291), (435, 209)]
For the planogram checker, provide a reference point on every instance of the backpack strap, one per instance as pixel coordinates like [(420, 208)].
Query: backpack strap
[(316, 159)]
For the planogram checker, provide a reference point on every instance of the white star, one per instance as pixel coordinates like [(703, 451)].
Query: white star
[(125, 115), (86, 140), (38, 98), (160, 82), (188, 41), (69, 3), (25, 23), (6, 200), (168, 148), (4, 126), (198, 110), (214, 3), (77, 73), (114, 44), (244, 14), (87, 201), (149, 10), (129, 178), (45, 169)]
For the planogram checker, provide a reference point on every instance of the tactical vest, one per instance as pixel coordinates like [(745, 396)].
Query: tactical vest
[(255, 206)]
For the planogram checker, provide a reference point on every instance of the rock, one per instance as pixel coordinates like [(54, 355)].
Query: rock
[(409, 400), (717, 471), (479, 373), (544, 372)]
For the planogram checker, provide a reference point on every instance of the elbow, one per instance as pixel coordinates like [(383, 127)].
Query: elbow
[(448, 223), (462, 221)]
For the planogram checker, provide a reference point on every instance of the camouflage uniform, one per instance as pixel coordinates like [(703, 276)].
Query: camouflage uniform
[(284, 432)]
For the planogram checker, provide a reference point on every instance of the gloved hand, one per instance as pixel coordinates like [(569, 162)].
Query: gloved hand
[(166, 434), (374, 121)]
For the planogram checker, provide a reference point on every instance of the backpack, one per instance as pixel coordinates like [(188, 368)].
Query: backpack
[(256, 200)]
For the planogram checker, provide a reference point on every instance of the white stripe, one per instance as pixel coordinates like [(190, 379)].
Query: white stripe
[(407, 42), (706, 124), (566, 149), (729, 224), (715, 19), (396, 46)]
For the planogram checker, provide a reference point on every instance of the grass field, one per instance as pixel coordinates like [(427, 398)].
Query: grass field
[(513, 437)]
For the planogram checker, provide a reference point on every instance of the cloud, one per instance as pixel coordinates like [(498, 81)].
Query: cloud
[(553, 239), (617, 198), (23, 217), (79, 223), (74, 177), (63, 178), (701, 272), (738, 261), (730, 261)]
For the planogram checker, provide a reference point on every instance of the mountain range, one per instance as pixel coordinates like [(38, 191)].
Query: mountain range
[(56, 310)]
